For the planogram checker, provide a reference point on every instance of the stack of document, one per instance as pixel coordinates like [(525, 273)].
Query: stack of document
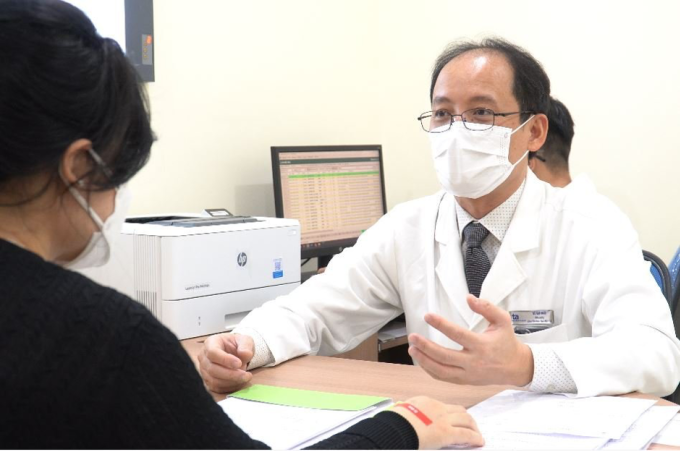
[(519, 420), (670, 435), (285, 418)]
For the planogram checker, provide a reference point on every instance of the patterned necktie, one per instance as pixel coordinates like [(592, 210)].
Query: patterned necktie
[(477, 263)]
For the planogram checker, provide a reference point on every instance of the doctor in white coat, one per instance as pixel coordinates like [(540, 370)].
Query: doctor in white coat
[(530, 247)]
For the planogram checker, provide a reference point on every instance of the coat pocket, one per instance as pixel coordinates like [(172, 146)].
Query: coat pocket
[(557, 333)]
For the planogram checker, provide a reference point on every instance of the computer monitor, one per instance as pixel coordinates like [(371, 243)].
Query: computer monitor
[(336, 192)]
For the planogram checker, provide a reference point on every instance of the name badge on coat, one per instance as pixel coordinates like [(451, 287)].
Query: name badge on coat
[(526, 322)]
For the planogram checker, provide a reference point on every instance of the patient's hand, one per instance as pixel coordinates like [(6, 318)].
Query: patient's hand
[(224, 360), (448, 424)]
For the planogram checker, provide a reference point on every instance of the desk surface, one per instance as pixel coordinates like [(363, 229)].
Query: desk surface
[(396, 381)]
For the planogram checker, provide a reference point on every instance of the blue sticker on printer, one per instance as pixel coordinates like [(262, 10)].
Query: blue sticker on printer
[(278, 273)]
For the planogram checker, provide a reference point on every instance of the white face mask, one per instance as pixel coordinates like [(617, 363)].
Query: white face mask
[(98, 250), (471, 164)]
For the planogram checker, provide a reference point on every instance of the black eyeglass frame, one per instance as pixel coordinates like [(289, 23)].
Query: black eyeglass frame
[(429, 114)]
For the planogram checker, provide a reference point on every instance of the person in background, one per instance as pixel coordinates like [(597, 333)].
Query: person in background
[(551, 162), (83, 366)]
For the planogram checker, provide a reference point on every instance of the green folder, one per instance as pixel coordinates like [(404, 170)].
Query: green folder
[(307, 399)]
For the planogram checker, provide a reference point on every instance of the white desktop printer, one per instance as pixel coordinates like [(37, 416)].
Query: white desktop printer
[(201, 275)]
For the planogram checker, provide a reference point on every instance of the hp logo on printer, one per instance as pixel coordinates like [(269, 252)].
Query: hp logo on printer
[(242, 259)]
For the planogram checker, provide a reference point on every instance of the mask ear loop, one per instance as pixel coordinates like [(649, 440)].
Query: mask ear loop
[(527, 152), (523, 124), (105, 169), (80, 200)]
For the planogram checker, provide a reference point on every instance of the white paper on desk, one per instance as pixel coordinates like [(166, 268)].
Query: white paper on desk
[(494, 440), (284, 427), (641, 434), (528, 412), (670, 435)]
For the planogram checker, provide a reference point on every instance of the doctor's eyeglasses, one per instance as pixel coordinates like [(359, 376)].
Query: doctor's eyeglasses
[(477, 119)]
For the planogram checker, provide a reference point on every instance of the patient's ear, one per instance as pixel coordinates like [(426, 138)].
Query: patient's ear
[(76, 162)]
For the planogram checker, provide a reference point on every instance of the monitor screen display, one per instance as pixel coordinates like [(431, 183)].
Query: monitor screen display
[(336, 192)]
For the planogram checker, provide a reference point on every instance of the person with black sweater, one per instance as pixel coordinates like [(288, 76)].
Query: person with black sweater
[(81, 365)]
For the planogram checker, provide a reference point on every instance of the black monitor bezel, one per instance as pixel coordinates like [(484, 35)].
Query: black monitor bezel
[(139, 21), (336, 246)]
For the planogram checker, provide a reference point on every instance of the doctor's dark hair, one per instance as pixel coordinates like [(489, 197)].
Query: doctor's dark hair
[(59, 82), (531, 85)]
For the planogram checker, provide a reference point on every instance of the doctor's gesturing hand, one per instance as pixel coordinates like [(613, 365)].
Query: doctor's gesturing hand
[(495, 356), (224, 361)]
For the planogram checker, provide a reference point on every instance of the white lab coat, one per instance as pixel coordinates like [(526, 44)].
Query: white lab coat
[(567, 250)]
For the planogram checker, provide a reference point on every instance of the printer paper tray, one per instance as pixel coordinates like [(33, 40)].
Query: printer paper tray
[(212, 314)]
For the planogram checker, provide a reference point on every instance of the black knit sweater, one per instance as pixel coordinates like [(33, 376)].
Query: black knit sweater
[(83, 366)]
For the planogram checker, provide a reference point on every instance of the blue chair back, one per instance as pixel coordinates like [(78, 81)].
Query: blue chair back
[(663, 279), (660, 273), (675, 307), (675, 312), (674, 268)]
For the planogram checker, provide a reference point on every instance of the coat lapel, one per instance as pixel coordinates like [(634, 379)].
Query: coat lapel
[(449, 269)]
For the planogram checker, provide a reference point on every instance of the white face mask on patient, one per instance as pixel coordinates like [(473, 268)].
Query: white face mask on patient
[(98, 249), (471, 164)]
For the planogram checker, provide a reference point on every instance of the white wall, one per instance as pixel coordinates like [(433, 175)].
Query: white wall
[(235, 77)]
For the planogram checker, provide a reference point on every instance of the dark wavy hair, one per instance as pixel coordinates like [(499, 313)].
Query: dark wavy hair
[(531, 85), (59, 82)]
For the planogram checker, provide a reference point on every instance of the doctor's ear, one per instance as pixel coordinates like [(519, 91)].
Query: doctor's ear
[(75, 164), (538, 128)]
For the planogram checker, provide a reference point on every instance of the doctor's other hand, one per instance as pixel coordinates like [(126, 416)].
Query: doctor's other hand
[(451, 424), (224, 360), (495, 356)]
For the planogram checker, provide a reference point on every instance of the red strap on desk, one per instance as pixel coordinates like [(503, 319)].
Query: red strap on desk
[(419, 414)]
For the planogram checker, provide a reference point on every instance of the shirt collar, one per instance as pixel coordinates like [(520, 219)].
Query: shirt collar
[(497, 221)]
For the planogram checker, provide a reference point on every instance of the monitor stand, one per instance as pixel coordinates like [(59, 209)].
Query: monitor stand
[(324, 260), (322, 263)]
